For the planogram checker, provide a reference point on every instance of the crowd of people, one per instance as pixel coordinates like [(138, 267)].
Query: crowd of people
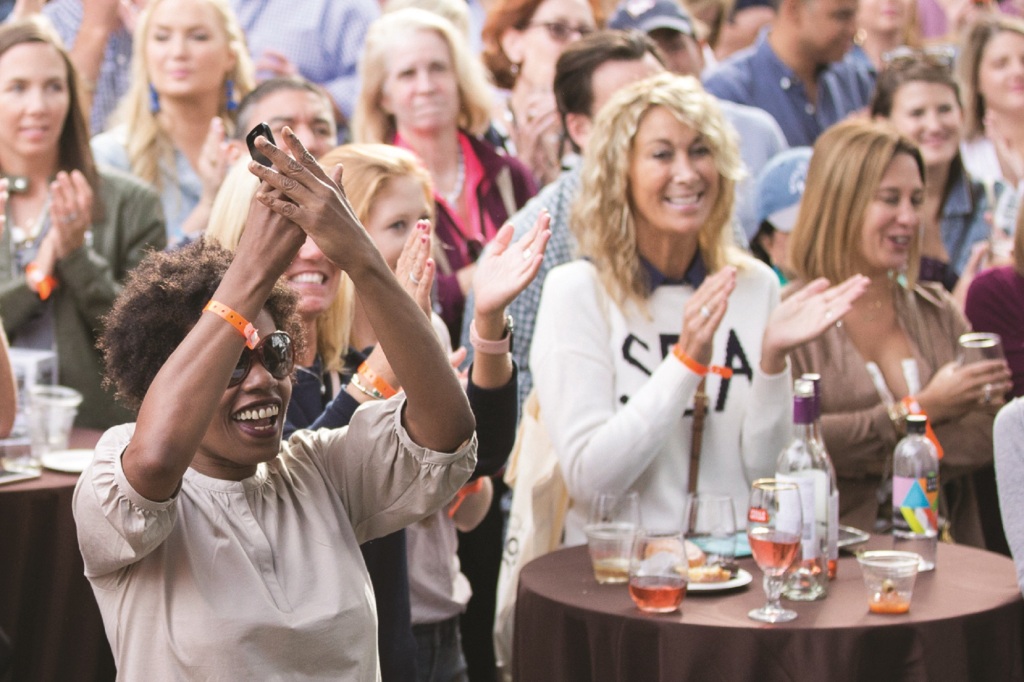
[(309, 348)]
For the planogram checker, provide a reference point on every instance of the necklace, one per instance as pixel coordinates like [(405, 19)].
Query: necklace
[(452, 198), (29, 230)]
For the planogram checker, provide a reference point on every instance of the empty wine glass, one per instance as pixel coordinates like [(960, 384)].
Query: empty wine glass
[(979, 346), (711, 525), (774, 522)]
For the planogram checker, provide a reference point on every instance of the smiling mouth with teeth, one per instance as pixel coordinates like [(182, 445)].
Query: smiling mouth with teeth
[(308, 278), (265, 417)]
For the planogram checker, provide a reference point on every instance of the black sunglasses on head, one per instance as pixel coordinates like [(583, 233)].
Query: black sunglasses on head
[(274, 352)]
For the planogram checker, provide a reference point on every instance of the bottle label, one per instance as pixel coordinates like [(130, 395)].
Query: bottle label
[(916, 503), (810, 482)]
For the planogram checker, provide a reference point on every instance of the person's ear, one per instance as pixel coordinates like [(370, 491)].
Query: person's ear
[(511, 43), (578, 127)]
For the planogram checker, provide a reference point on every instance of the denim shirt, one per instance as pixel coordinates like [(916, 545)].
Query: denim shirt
[(963, 223), (757, 77)]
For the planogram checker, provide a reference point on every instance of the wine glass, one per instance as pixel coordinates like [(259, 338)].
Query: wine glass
[(774, 522), (979, 346), (711, 525), (658, 571)]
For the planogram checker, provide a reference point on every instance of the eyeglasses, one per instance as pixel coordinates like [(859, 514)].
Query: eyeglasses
[(942, 55), (274, 352), (560, 31)]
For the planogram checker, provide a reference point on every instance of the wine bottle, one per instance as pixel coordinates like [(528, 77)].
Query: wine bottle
[(915, 493), (801, 463), (832, 537)]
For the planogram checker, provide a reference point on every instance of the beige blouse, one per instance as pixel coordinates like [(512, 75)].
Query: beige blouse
[(261, 578)]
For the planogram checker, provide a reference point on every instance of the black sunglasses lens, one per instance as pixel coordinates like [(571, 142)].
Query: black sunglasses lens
[(241, 367), (276, 354)]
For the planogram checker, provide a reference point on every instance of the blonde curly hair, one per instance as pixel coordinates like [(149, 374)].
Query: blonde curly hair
[(603, 218)]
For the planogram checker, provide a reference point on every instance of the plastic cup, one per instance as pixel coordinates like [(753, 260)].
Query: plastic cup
[(889, 578), (52, 411)]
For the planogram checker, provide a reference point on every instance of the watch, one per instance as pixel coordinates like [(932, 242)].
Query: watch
[(499, 347)]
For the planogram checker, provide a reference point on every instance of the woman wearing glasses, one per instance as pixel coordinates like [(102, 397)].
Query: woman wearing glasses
[(422, 90), (917, 94), (522, 41), (216, 550)]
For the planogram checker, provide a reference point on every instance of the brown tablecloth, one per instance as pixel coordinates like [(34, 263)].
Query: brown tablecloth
[(966, 623), (47, 608)]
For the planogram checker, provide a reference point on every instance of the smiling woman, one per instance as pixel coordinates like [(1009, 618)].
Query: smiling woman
[(896, 351), (663, 310), (72, 232), (190, 68), (273, 584)]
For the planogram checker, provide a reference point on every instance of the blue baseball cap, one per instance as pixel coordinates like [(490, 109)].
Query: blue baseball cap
[(650, 15), (780, 186)]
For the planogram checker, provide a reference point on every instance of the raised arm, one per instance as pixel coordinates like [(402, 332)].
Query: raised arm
[(437, 414)]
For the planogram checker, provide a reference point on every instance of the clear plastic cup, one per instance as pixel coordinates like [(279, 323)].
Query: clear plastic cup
[(889, 577)]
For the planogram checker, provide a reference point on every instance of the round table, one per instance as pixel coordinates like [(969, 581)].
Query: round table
[(966, 622), (48, 610)]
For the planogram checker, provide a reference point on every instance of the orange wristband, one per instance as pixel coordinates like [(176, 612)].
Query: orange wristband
[(914, 407), (698, 368), (243, 325), (375, 380), (42, 284), (464, 492)]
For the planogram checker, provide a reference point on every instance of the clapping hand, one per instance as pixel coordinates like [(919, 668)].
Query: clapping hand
[(415, 268), (704, 312), (71, 200), (506, 268), (804, 316)]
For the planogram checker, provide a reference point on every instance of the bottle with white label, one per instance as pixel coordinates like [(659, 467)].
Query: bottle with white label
[(800, 462), (832, 538), (915, 493)]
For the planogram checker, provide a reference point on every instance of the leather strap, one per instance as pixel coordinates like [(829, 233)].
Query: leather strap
[(700, 409)]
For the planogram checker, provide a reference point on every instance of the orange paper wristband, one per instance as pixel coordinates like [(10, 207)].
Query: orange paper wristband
[(698, 368), (375, 380), (43, 284), (243, 325)]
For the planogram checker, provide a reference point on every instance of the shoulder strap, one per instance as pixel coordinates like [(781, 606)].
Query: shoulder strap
[(700, 408)]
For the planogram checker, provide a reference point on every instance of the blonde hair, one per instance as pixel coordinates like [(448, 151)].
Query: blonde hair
[(845, 172), (148, 143), (228, 217), (455, 11), (974, 42), (602, 217), (370, 123)]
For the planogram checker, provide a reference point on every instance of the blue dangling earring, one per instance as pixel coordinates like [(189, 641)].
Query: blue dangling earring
[(154, 100), (229, 91)]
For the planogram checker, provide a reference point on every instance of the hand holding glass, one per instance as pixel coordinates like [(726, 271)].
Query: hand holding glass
[(774, 522)]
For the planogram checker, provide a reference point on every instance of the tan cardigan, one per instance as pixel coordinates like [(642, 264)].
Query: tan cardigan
[(859, 435)]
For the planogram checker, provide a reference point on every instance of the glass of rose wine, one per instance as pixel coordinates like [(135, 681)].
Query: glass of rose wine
[(658, 571), (774, 522)]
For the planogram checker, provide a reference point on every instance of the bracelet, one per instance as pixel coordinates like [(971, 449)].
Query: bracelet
[(42, 284), (898, 416), (499, 347), (696, 367), (911, 405), (376, 381), (370, 391), (464, 492), (243, 325)]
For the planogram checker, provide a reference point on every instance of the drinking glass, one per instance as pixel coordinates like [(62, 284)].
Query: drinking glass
[(711, 525), (614, 519), (774, 522), (979, 346), (658, 571)]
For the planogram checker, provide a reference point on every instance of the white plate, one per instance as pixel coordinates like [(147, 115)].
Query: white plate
[(68, 461), (742, 578)]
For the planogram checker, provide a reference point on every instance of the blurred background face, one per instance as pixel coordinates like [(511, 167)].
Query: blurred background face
[(187, 50), (827, 28), (1001, 73), (34, 100), (307, 114), (536, 48), (394, 213), (681, 53), (885, 17), (929, 114), (421, 89)]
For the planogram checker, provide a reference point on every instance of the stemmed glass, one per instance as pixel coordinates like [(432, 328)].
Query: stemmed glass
[(774, 522)]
